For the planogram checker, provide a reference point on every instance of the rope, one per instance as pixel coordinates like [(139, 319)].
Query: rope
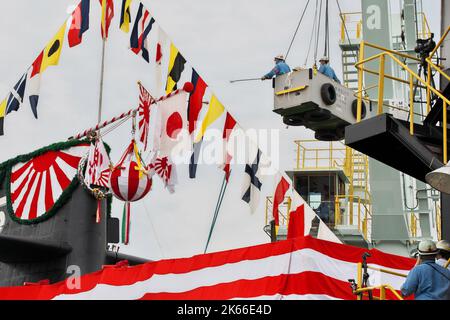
[(317, 30), (114, 126), (216, 212), (296, 30), (327, 32), (312, 36)]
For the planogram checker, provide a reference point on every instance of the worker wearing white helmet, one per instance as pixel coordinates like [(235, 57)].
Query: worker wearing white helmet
[(326, 70), (280, 68), (427, 280), (443, 255)]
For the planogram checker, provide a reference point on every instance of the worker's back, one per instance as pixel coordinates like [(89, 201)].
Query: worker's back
[(428, 281), (282, 68), (328, 71)]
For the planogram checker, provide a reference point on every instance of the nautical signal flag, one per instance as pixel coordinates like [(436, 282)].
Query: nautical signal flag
[(162, 40), (230, 123), (252, 184), (107, 15), (194, 107), (13, 101), (142, 27), (53, 50), (195, 99), (80, 23), (2, 116), (278, 198), (15, 98), (176, 67), (125, 16), (215, 110)]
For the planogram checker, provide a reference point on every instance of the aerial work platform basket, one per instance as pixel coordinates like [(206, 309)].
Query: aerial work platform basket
[(310, 99)]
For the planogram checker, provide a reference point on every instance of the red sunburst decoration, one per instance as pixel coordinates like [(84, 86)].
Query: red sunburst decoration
[(37, 184)]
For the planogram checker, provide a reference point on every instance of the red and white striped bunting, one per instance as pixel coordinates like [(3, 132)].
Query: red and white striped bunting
[(301, 268)]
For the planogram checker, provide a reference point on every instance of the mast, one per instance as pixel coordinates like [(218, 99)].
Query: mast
[(102, 71)]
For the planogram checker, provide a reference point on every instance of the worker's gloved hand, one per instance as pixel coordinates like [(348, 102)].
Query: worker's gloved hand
[(263, 78)]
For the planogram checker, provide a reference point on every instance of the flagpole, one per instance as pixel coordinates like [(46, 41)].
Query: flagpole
[(102, 71)]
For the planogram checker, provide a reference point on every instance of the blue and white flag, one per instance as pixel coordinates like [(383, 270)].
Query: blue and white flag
[(252, 184)]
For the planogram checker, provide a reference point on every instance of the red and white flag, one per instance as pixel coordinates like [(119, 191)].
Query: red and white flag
[(145, 102), (174, 124), (302, 268), (278, 198), (165, 169), (97, 169), (296, 226), (230, 123), (73, 35), (161, 48)]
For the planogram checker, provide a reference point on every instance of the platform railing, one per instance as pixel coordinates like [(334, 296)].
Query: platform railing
[(361, 291), (412, 76), (351, 25), (344, 214), (319, 155), (283, 211)]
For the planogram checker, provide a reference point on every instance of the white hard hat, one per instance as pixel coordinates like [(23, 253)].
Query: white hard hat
[(279, 57), (443, 245), (324, 58), (427, 248)]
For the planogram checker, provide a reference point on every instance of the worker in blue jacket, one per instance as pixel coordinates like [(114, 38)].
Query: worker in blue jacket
[(326, 70), (280, 68), (427, 280)]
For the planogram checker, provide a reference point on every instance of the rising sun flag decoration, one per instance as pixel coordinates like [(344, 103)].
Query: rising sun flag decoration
[(39, 183)]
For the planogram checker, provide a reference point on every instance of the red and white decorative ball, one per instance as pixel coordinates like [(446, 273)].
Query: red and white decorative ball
[(127, 183)]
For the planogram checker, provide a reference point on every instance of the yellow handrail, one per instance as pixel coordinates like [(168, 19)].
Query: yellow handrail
[(440, 42), (426, 84), (425, 26), (359, 290), (382, 289)]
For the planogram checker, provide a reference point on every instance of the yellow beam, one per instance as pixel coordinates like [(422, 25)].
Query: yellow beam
[(411, 105), (437, 68), (440, 42), (444, 128), (390, 77), (360, 83), (428, 86), (359, 278), (400, 54), (279, 93), (381, 85)]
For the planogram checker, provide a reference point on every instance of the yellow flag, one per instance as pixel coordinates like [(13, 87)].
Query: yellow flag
[(170, 83), (2, 115), (53, 49), (215, 109), (176, 67), (125, 17), (3, 108)]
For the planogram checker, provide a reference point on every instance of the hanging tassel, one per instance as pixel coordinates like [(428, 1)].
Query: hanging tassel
[(126, 223), (98, 215)]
